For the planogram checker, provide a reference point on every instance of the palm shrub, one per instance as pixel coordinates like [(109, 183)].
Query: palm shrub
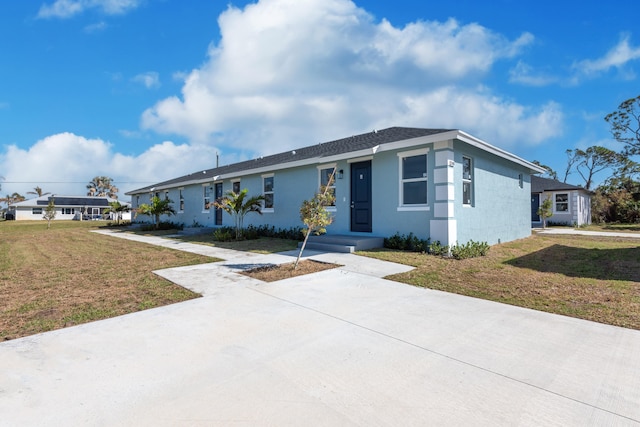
[(117, 208), (156, 208), (238, 205)]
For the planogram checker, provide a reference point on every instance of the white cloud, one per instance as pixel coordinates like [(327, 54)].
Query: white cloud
[(149, 79), (96, 28), (524, 74), (67, 8), (286, 71), (617, 57), (65, 162)]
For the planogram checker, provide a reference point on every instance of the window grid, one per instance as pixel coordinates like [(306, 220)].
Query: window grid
[(467, 181), (206, 195), (325, 174), (413, 182), (562, 202), (268, 192)]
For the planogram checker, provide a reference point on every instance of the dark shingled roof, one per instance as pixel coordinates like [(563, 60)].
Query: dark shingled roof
[(540, 185), (325, 149), (76, 201)]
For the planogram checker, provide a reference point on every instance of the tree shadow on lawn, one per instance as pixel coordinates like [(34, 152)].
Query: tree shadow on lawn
[(601, 264)]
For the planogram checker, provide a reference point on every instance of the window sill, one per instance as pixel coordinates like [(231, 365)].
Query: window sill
[(268, 210), (413, 208), (331, 209)]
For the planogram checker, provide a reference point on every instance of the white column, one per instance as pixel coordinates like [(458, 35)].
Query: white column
[(443, 226)]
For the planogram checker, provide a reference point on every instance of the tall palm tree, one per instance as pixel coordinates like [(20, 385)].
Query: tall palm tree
[(235, 205), (12, 198), (38, 191), (101, 186), (156, 208)]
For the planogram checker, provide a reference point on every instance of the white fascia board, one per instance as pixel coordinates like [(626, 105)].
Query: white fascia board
[(346, 156), (274, 168), (238, 174), (397, 145), (476, 142)]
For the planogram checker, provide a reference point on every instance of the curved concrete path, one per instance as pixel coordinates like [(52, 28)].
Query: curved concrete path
[(340, 347)]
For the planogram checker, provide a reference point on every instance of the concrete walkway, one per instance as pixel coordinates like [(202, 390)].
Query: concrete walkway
[(339, 347), (569, 230)]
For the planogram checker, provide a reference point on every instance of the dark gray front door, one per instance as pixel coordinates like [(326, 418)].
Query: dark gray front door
[(535, 205), (361, 196), (218, 212)]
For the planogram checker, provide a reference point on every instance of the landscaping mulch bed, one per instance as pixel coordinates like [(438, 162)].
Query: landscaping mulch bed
[(273, 273)]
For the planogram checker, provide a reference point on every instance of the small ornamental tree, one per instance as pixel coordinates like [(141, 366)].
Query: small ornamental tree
[(545, 211), (238, 206), (314, 215), (49, 212), (156, 208)]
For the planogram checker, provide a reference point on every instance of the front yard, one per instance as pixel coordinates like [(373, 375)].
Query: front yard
[(51, 279), (586, 277)]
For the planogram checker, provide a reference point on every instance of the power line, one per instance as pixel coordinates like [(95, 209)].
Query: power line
[(74, 182)]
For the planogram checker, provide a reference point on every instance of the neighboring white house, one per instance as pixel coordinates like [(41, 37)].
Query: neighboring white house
[(442, 184), (571, 204), (67, 208)]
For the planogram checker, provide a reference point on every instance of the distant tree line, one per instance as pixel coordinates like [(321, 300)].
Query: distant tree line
[(617, 199)]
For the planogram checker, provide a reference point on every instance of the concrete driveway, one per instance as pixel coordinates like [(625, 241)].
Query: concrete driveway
[(340, 347)]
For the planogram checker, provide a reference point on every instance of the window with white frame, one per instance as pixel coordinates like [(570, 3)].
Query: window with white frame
[(325, 175), (236, 186), (166, 194), (467, 181), (562, 202), (268, 192), (206, 196), (413, 178), (181, 196), (36, 211), (521, 180)]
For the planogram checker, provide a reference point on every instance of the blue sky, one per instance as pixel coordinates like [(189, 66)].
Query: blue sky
[(147, 90)]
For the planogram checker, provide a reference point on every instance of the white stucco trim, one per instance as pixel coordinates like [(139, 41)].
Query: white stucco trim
[(445, 192), (443, 210), (413, 208), (355, 160), (444, 231)]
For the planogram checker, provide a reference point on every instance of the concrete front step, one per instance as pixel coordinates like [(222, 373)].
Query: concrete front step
[(343, 244)]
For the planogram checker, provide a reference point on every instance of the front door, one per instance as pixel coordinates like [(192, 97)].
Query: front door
[(361, 196), (535, 205), (218, 211)]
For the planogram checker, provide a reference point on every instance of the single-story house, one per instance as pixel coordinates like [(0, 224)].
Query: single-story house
[(67, 208), (571, 204), (442, 184)]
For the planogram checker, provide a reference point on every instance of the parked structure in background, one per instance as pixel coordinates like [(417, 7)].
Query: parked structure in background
[(571, 205), (67, 208), (442, 184)]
